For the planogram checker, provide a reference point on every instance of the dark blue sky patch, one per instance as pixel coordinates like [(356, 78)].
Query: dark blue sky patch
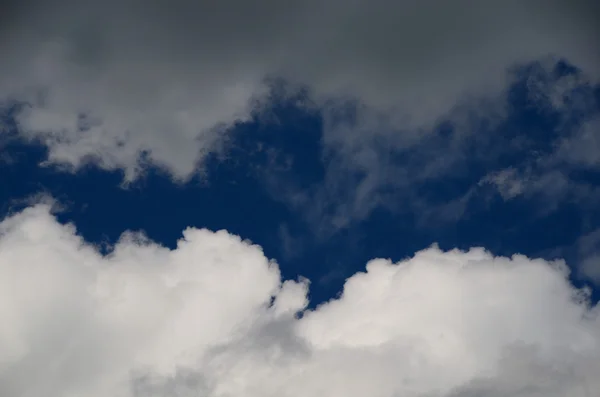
[(278, 156)]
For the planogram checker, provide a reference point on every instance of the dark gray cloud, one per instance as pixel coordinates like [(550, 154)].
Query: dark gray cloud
[(168, 78)]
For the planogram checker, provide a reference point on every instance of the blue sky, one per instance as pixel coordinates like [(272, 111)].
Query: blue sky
[(234, 193), (325, 150)]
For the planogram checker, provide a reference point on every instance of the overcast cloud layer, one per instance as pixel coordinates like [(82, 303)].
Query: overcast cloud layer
[(197, 320), (111, 79)]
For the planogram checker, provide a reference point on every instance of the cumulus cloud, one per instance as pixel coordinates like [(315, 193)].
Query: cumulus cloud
[(108, 81), (212, 317)]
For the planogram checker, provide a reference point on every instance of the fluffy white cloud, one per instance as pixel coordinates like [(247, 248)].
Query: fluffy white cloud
[(110, 79), (198, 320)]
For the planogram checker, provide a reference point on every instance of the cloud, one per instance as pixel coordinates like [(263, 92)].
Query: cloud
[(213, 317), (551, 185), (122, 82), (508, 182), (552, 168), (588, 252), (582, 149), (527, 144)]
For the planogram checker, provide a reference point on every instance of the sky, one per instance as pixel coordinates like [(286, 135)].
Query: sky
[(262, 198)]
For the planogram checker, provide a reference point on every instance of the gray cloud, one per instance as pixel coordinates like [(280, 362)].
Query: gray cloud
[(169, 78), (571, 145), (588, 252)]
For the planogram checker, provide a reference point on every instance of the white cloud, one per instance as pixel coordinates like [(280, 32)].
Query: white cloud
[(196, 320), (159, 78)]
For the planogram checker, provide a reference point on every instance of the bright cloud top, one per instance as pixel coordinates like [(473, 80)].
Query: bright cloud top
[(113, 79), (213, 318)]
